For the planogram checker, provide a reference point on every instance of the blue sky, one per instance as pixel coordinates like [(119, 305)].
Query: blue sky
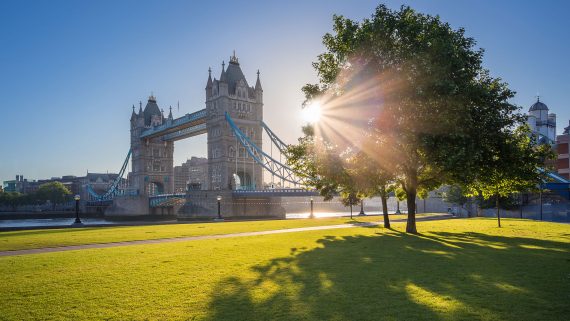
[(71, 70)]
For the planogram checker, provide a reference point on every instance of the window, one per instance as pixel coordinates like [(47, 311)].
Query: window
[(232, 151), (155, 152), (156, 166)]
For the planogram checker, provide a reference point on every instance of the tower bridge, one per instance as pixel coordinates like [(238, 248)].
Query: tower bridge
[(233, 122)]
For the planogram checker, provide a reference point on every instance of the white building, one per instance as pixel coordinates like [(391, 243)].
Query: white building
[(542, 123)]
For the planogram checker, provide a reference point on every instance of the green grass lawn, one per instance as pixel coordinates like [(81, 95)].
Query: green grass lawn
[(30, 239), (464, 269)]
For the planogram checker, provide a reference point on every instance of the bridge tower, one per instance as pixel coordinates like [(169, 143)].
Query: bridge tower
[(152, 158), (226, 157)]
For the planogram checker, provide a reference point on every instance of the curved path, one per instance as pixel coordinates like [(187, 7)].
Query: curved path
[(204, 237)]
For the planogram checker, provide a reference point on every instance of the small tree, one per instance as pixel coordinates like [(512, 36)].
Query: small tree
[(372, 180), (55, 192), (515, 167), (11, 199), (350, 198), (456, 194)]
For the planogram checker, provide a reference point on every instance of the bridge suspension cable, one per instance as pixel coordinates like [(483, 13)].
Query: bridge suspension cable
[(115, 186), (275, 167)]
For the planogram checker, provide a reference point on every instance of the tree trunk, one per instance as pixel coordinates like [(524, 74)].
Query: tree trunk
[(411, 201), (498, 211), (351, 211), (385, 211)]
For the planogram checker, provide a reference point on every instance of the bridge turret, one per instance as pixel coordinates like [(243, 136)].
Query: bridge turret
[(133, 115), (223, 83), (258, 89), (209, 84), (232, 94), (152, 158)]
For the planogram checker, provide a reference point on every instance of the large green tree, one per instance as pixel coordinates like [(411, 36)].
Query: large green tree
[(418, 86)]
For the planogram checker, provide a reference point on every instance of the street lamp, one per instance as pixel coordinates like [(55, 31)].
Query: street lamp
[(77, 219), (219, 198), (398, 206), (312, 215)]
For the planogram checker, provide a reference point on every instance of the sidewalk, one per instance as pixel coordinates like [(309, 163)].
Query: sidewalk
[(206, 237)]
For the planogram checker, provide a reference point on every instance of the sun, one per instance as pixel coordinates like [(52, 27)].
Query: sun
[(312, 113)]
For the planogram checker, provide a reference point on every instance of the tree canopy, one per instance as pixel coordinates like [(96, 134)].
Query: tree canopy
[(414, 96)]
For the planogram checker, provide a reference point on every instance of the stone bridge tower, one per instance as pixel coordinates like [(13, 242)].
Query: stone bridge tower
[(152, 159), (226, 157)]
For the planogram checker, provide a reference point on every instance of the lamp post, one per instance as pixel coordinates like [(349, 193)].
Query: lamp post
[(77, 219), (398, 207), (311, 215), (361, 208), (219, 198)]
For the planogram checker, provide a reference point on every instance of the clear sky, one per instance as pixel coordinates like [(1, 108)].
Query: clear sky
[(71, 70)]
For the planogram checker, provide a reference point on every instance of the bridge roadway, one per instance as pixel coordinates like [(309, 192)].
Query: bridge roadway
[(186, 126)]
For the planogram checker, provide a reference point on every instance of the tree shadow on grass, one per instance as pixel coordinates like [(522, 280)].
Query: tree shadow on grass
[(396, 276)]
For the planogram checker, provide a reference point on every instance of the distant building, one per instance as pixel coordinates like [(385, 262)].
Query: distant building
[(191, 175), (562, 149), (18, 185), (75, 184), (541, 123)]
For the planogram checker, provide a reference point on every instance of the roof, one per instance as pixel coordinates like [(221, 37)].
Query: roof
[(233, 75), (151, 109), (258, 83), (538, 106)]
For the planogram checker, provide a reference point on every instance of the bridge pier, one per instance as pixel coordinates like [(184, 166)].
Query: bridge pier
[(203, 204), (128, 206)]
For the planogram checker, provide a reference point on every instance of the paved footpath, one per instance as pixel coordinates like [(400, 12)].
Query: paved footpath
[(206, 237)]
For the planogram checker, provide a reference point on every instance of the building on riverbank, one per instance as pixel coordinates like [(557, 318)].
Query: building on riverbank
[(562, 151)]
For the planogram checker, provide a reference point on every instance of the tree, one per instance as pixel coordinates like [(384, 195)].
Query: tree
[(514, 167), (350, 198), (456, 194), (372, 180), (418, 86), (55, 192), (12, 199)]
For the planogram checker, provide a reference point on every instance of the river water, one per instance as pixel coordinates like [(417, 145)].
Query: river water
[(101, 221)]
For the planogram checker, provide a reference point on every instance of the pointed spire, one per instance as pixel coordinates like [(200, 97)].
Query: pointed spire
[(234, 59), (223, 75), (209, 83), (140, 108), (258, 82), (170, 113), (133, 115)]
